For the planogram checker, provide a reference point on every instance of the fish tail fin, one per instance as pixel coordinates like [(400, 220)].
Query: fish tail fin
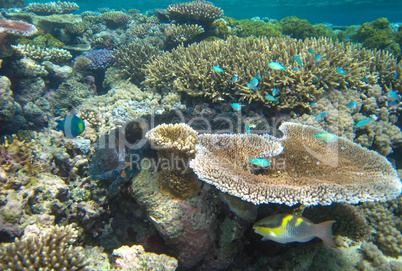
[(60, 124), (324, 232)]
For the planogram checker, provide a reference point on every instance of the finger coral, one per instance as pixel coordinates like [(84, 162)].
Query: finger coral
[(51, 248), (312, 169), (301, 80)]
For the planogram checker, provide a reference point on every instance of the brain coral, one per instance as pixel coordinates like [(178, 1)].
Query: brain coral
[(343, 66), (308, 171)]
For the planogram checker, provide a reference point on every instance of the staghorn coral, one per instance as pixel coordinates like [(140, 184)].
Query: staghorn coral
[(201, 12), (308, 170), (52, 8), (40, 248), (176, 145), (190, 70), (41, 54), (131, 59)]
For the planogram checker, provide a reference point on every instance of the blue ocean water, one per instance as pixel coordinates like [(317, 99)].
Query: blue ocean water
[(338, 12)]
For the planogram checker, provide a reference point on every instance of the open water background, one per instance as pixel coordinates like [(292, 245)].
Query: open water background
[(336, 12)]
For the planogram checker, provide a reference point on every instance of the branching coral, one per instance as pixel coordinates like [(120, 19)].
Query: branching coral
[(201, 12), (41, 54), (50, 248), (343, 66), (182, 33), (309, 170), (131, 59), (115, 18)]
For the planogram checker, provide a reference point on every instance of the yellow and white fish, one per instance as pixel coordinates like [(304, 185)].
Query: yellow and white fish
[(288, 228)]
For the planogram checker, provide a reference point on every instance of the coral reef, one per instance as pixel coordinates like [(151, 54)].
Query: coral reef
[(131, 59), (52, 8), (135, 258), (176, 145), (115, 19), (191, 70), (378, 35), (98, 59), (44, 248), (387, 221), (41, 54), (304, 168), (201, 12), (185, 33), (7, 106), (18, 28), (187, 226)]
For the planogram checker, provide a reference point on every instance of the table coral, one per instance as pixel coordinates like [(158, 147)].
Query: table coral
[(304, 168), (201, 12), (52, 8), (41, 54)]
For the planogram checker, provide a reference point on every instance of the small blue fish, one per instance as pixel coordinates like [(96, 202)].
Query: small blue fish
[(365, 79), (276, 66), (363, 122), (260, 162), (251, 86), (395, 76), (295, 69), (298, 60), (322, 115), (217, 69), (318, 58), (258, 76), (319, 78), (393, 96), (248, 129), (72, 126), (236, 106), (234, 79), (327, 137), (59, 110), (340, 71), (267, 73), (275, 92), (311, 51), (271, 98), (254, 82), (352, 105), (312, 104)]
